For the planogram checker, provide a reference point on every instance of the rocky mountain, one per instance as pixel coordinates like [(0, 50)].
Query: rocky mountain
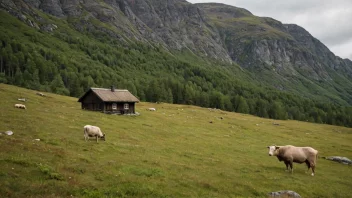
[(286, 51), (284, 56)]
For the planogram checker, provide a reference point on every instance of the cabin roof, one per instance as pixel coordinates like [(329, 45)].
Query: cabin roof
[(107, 95)]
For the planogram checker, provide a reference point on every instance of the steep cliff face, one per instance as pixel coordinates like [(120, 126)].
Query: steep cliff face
[(323, 55), (175, 24), (278, 54), (264, 42), (178, 24)]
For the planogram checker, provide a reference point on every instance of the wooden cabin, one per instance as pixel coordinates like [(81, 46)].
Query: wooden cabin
[(114, 101)]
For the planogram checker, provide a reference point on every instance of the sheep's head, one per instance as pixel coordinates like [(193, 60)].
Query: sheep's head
[(272, 149), (103, 137)]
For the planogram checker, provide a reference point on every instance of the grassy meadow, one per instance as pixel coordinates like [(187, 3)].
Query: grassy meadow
[(176, 151)]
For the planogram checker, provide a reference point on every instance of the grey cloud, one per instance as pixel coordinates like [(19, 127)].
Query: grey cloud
[(343, 50), (331, 29)]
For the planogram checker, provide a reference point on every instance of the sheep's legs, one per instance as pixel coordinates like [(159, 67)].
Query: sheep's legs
[(287, 164), (308, 165), (313, 169)]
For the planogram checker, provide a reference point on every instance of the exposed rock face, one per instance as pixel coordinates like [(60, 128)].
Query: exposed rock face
[(257, 42), (262, 45), (322, 56), (175, 24), (178, 24)]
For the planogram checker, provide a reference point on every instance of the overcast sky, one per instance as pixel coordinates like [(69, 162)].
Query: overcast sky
[(330, 21)]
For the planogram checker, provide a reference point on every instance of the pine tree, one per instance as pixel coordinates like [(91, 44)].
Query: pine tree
[(3, 78), (3, 56), (57, 86), (132, 88), (242, 106), (276, 111), (35, 83), (189, 94), (261, 108), (75, 88), (169, 98), (19, 77), (216, 100), (227, 103)]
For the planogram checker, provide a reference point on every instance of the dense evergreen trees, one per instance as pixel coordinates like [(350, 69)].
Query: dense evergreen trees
[(69, 63)]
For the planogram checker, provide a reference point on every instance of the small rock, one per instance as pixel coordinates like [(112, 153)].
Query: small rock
[(37, 139), (342, 160), (285, 194), (9, 133)]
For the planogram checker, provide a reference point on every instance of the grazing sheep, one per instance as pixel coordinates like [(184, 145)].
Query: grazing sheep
[(290, 154), (20, 106), (40, 94), (93, 131), (151, 109)]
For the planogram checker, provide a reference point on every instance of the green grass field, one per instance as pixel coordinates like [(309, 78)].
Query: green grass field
[(172, 152)]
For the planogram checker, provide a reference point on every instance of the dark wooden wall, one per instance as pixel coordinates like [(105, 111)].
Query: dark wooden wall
[(92, 102)]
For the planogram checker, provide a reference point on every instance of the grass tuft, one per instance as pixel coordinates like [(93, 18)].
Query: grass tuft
[(48, 171)]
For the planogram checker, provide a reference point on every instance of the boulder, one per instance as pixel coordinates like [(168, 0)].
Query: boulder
[(285, 194), (342, 160)]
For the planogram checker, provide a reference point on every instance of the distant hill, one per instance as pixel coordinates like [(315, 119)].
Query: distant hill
[(211, 55)]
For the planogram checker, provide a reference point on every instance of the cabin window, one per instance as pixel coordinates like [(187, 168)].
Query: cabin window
[(126, 106), (114, 106)]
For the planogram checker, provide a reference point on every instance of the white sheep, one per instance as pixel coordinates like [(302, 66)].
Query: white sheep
[(20, 106), (93, 131), (40, 94)]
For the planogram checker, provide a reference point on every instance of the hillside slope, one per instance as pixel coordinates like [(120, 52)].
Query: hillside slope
[(172, 152)]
